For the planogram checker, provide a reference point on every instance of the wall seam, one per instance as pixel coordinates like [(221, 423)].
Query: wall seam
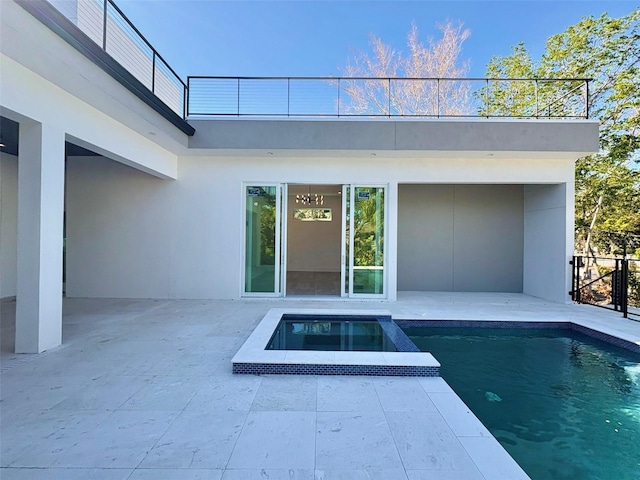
[(453, 238), (560, 207)]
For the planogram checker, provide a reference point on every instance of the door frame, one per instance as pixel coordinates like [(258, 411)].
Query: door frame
[(350, 257), (278, 243), (281, 228)]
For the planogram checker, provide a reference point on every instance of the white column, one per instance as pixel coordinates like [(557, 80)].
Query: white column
[(391, 241), (570, 231), (41, 164)]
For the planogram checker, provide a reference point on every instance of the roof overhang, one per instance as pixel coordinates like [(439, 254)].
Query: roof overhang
[(431, 138)]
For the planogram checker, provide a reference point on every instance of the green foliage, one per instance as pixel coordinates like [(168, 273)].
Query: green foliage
[(368, 236), (267, 229), (607, 50), (510, 98), (634, 286)]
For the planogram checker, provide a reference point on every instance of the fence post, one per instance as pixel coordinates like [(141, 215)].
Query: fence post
[(104, 26), (153, 73), (586, 102), (575, 278), (578, 265), (339, 85), (438, 97), (616, 286), (288, 97), (537, 100), (487, 98), (625, 288), (389, 106), (185, 100)]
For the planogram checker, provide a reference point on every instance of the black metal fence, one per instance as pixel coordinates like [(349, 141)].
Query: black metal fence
[(388, 97), (612, 283)]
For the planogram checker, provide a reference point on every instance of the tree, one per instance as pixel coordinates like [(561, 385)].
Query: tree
[(435, 59), (608, 183)]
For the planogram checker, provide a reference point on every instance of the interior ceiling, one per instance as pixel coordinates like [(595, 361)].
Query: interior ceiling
[(9, 137), (304, 189)]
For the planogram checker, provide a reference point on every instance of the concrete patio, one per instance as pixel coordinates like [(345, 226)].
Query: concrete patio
[(142, 389)]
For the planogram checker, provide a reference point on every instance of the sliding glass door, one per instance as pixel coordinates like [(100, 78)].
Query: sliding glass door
[(262, 258), (363, 233), (363, 266)]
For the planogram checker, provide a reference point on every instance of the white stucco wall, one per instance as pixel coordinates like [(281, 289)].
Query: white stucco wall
[(26, 95), (208, 243), (132, 235), (8, 224), (119, 230), (548, 240), (465, 238)]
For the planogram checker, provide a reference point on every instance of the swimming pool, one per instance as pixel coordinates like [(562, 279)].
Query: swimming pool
[(335, 342), (338, 333), (564, 405)]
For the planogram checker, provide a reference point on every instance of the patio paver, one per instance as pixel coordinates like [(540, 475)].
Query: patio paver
[(143, 389)]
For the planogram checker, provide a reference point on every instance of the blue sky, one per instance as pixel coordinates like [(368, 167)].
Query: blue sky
[(315, 38)]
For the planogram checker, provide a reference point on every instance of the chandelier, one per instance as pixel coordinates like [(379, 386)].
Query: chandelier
[(309, 198)]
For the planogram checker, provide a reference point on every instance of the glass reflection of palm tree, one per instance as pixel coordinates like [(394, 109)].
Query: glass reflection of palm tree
[(368, 240), (267, 232)]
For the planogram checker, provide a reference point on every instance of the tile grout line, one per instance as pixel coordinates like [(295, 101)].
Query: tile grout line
[(162, 434), (386, 418)]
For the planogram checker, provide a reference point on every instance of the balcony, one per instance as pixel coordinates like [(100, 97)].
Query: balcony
[(387, 97), (321, 97), (109, 28)]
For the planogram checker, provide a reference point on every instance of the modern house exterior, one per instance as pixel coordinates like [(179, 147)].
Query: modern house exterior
[(147, 201)]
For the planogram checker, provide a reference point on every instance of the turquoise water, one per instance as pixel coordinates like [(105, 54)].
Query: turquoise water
[(564, 405)]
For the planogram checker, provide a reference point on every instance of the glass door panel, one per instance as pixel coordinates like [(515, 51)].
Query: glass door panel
[(367, 243), (262, 240)]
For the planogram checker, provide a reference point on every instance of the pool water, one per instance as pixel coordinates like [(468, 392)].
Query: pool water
[(564, 405), (330, 333)]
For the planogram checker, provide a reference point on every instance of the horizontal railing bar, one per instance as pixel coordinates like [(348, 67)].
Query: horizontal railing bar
[(273, 95), (374, 115), (556, 100), (213, 77), (142, 37), (605, 258)]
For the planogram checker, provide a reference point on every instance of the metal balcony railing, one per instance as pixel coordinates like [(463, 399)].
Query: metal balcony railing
[(104, 23), (387, 97)]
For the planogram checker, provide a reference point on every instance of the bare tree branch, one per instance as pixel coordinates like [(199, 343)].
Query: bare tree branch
[(419, 92)]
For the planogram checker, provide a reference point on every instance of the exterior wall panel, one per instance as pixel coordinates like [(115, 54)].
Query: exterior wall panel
[(118, 231), (8, 224), (555, 138), (548, 242), (425, 237), (488, 238), (133, 235), (464, 238)]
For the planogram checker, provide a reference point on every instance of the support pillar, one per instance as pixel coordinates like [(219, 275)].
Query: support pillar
[(41, 163)]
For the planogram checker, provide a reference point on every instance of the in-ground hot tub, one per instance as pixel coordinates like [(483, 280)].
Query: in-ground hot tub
[(331, 342)]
